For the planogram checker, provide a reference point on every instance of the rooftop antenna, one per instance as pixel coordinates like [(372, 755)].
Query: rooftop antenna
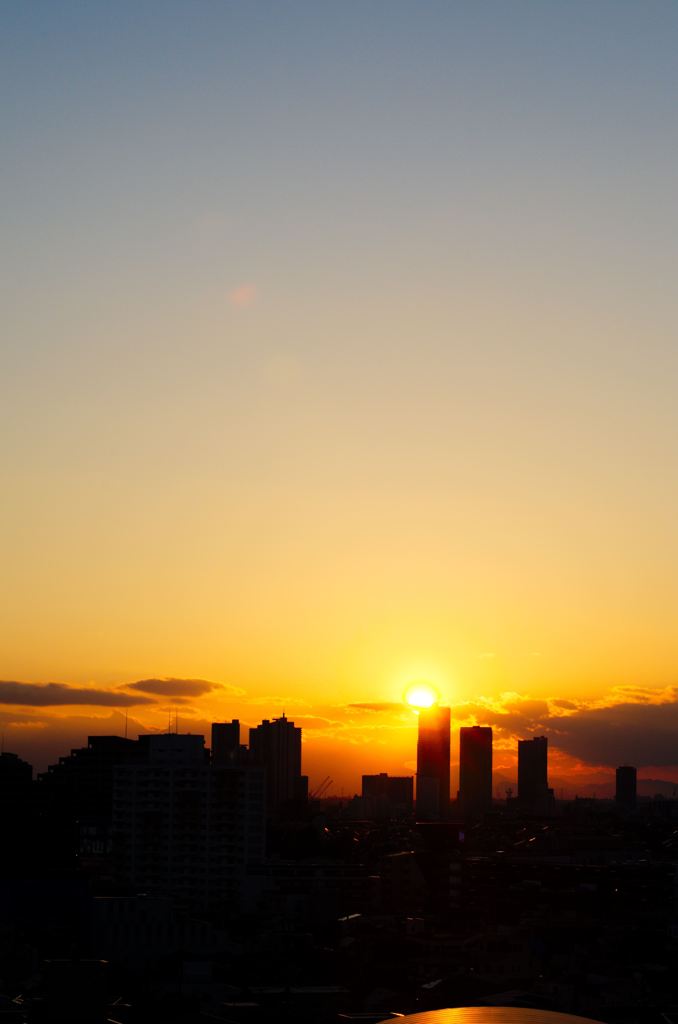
[(169, 721), (176, 721), (126, 714)]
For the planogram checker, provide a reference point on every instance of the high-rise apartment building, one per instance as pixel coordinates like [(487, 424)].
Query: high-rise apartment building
[(76, 800), (626, 786), (433, 764), (276, 747), (225, 743), (533, 788), (475, 769), (184, 827)]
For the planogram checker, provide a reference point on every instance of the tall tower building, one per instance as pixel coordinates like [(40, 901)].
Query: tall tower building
[(625, 792), (276, 746), (475, 769), (433, 764), (533, 788)]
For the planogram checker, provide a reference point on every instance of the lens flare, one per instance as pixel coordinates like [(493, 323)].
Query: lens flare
[(421, 695)]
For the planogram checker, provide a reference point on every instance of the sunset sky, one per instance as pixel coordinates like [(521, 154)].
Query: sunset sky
[(339, 350)]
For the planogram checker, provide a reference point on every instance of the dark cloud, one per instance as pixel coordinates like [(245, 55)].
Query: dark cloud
[(45, 695), (384, 705), (512, 716), (176, 687), (628, 733), (636, 731)]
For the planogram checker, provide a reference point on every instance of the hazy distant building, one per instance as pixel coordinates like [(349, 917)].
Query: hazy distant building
[(533, 788), (475, 769), (626, 786), (387, 796), (433, 764), (225, 743), (184, 827), (276, 747)]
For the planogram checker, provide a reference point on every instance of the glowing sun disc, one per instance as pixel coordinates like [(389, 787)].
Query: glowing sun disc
[(421, 695)]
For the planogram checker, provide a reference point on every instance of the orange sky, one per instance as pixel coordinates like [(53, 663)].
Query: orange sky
[(338, 350), (588, 738)]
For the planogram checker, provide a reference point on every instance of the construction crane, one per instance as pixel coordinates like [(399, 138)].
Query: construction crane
[(321, 789)]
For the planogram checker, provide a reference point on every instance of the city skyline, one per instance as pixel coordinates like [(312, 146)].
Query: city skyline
[(338, 376), (567, 776), (338, 352)]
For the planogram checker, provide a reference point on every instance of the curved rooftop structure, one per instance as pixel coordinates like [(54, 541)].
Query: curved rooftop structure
[(494, 1015)]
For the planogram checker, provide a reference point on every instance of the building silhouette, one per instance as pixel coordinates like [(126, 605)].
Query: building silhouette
[(475, 769), (15, 777), (276, 747), (433, 764), (17, 807), (225, 743), (387, 796), (76, 800), (533, 788), (626, 786), (184, 827), (81, 783)]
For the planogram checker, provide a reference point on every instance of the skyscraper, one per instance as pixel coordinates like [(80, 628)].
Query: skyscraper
[(533, 788), (433, 764), (625, 793), (276, 746), (475, 769)]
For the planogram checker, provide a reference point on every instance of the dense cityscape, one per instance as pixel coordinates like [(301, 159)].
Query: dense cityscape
[(161, 879)]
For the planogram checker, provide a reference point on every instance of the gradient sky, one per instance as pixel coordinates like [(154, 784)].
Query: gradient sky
[(339, 350)]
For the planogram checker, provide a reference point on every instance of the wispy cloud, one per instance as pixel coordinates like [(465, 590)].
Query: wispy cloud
[(309, 722), (379, 705)]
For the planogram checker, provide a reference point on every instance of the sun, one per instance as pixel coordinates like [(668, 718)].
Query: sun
[(421, 695)]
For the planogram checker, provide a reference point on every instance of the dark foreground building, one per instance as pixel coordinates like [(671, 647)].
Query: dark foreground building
[(184, 827)]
